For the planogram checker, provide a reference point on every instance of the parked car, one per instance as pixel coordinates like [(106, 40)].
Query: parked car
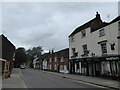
[(22, 67)]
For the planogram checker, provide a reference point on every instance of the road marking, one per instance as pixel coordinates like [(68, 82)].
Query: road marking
[(91, 84)]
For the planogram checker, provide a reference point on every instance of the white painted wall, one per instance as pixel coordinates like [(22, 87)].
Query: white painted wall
[(44, 64), (34, 62), (92, 40)]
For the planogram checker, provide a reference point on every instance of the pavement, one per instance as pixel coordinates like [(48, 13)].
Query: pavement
[(15, 80), (113, 84)]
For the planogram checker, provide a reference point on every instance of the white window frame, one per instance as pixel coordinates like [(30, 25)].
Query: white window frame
[(119, 26), (73, 51), (50, 59), (55, 67), (50, 66), (55, 59), (72, 38), (101, 32), (85, 49), (104, 48), (62, 59), (83, 33), (61, 67)]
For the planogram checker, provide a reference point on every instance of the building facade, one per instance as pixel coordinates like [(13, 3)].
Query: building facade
[(7, 51), (56, 61), (94, 48)]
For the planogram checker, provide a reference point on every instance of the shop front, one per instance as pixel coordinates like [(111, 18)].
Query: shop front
[(107, 66), (110, 67)]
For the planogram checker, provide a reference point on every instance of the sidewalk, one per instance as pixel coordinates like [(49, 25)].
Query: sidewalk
[(14, 81), (114, 84)]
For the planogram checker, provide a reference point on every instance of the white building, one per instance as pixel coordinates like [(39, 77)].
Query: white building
[(99, 40), (35, 62), (45, 66)]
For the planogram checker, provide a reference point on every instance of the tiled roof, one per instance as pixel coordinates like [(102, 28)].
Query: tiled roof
[(93, 24), (5, 38), (115, 20)]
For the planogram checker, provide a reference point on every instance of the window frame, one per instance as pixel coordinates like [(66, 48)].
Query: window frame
[(55, 59), (72, 38), (62, 59), (119, 26), (83, 33), (104, 48), (55, 67), (73, 51), (102, 32), (85, 49), (50, 59)]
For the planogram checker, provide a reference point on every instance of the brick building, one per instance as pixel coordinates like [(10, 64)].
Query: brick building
[(7, 50), (56, 61)]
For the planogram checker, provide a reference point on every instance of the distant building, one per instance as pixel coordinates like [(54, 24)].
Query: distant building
[(56, 61), (59, 61), (94, 48), (7, 51), (45, 61)]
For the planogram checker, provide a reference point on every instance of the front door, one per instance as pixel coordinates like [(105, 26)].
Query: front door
[(97, 69)]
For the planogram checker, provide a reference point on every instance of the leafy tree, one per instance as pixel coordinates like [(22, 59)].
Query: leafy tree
[(20, 56), (33, 53)]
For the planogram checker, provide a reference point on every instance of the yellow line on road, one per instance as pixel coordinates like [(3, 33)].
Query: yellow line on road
[(91, 84)]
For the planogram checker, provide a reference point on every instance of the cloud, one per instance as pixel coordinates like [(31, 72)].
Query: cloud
[(31, 24)]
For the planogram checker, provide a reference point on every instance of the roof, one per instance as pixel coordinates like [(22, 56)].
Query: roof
[(105, 24), (115, 20), (3, 37), (93, 24)]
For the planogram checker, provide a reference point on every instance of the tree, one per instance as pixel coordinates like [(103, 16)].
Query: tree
[(20, 56), (33, 53)]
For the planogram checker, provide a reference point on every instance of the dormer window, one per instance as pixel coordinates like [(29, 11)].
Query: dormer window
[(101, 32), (83, 33)]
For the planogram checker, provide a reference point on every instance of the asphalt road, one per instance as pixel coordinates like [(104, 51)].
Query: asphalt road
[(39, 79)]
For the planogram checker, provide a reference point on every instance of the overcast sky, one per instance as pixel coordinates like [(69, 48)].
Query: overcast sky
[(49, 24)]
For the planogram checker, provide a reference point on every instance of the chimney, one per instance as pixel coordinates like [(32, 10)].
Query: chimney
[(52, 51), (98, 15)]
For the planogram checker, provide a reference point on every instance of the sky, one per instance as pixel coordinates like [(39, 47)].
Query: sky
[(48, 24)]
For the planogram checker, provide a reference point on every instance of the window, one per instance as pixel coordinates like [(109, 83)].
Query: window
[(50, 67), (62, 59), (73, 51), (85, 51), (72, 38), (104, 48), (119, 26), (55, 67), (50, 60), (55, 59), (101, 32), (61, 67), (83, 33)]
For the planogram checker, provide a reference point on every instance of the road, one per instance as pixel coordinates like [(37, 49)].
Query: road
[(39, 79)]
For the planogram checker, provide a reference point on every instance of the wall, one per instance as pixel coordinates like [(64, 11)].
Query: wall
[(92, 40)]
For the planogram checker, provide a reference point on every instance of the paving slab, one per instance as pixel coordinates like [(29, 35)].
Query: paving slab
[(15, 80)]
